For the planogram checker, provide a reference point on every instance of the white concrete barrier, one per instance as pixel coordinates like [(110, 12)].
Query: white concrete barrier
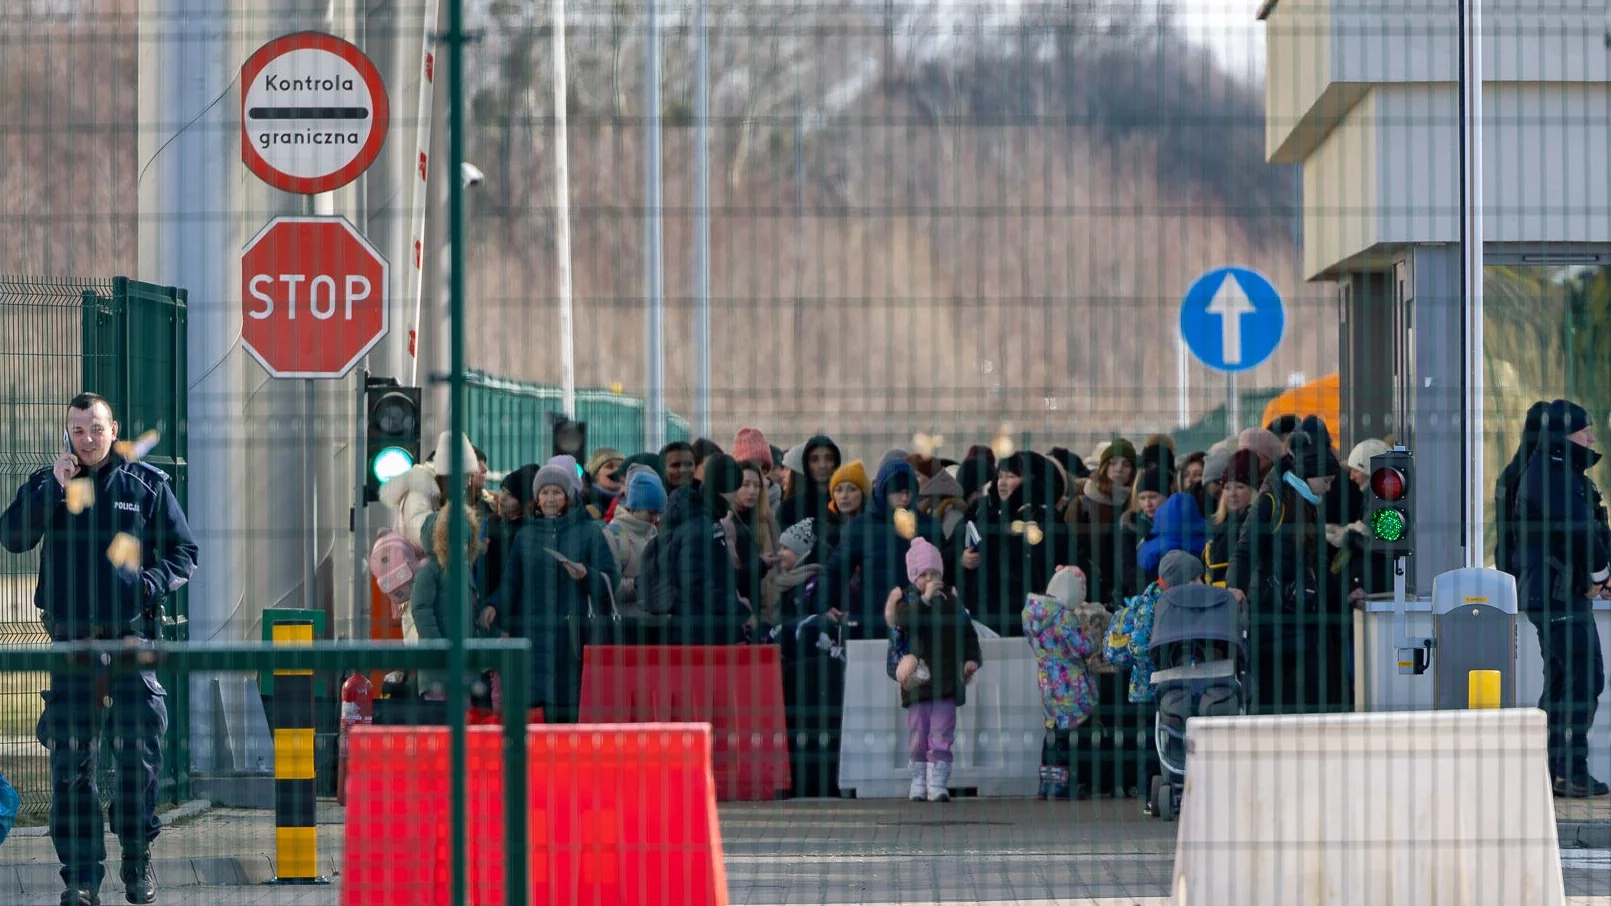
[(999, 730), (1432, 808)]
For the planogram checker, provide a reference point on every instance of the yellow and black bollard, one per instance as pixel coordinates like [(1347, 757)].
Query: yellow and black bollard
[(296, 844)]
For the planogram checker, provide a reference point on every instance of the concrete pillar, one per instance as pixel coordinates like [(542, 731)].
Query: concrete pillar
[(1366, 356), (190, 234), (1435, 427)]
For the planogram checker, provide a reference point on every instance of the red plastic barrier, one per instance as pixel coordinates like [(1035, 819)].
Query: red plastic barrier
[(620, 816), (737, 689)]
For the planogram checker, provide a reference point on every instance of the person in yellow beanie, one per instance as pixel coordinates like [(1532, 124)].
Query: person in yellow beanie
[(850, 487), (848, 491)]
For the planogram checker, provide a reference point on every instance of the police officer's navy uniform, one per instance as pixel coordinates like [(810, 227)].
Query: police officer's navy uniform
[(1563, 547), (81, 595)]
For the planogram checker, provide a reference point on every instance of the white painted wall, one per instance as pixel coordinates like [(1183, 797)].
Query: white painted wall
[(1339, 191), (1323, 53), (1387, 173)]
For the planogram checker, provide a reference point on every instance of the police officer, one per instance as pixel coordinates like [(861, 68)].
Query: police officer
[(1563, 557), (104, 571)]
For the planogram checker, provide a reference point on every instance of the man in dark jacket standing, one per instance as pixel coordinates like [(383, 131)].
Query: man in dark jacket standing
[(114, 543), (1563, 556)]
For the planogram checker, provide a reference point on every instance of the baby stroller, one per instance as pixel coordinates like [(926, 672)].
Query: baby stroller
[(1199, 647)]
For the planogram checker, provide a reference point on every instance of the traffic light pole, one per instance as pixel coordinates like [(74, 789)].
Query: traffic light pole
[(1413, 653), (458, 623), (360, 512)]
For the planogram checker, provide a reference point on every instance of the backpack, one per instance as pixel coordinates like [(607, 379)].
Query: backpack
[(657, 568), (394, 561)]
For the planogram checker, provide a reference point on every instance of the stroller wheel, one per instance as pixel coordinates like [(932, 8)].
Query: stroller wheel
[(1166, 803), (1156, 796)]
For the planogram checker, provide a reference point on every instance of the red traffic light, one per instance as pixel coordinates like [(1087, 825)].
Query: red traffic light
[(1388, 484)]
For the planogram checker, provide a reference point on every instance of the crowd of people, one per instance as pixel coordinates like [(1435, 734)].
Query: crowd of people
[(801, 548), (806, 548)]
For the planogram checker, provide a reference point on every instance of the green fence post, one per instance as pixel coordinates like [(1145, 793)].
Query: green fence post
[(458, 534), (514, 669)]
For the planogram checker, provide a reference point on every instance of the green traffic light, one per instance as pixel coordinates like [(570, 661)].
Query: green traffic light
[(390, 463), (1388, 524)]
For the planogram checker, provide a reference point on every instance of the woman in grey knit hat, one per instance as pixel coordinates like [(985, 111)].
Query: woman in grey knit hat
[(560, 563)]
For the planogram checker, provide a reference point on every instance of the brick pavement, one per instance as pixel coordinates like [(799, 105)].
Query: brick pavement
[(870, 853)]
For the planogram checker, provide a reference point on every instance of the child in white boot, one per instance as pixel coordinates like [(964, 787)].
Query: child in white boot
[(934, 675)]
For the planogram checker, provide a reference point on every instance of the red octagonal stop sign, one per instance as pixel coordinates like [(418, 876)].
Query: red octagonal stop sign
[(313, 297)]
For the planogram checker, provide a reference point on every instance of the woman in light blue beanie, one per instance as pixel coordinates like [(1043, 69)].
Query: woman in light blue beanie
[(644, 492), (634, 525)]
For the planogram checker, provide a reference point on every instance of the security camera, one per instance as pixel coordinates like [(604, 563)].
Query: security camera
[(472, 174)]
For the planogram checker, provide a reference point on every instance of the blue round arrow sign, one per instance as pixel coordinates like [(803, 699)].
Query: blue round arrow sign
[(1232, 319)]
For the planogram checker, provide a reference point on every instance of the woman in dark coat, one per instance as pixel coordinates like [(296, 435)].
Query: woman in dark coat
[(1022, 542), (1279, 570), (1093, 517), (688, 569), (514, 509), (874, 549), (560, 561)]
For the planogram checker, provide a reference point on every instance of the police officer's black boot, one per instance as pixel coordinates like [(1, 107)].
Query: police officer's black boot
[(139, 881), (80, 896)]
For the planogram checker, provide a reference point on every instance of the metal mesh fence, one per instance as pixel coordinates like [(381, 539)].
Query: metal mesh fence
[(948, 255), (38, 374)]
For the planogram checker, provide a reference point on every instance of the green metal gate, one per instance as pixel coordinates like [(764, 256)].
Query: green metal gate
[(509, 419), (126, 341)]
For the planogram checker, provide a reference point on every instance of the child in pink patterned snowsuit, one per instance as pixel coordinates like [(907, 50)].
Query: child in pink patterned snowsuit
[(1055, 625)]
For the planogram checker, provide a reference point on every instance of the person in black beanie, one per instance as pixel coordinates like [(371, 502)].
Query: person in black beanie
[(1563, 558), (1159, 453), (1071, 462), (514, 505), (1153, 486), (980, 451), (1283, 426), (975, 475)]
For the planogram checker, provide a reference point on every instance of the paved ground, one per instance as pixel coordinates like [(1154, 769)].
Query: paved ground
[(987, 852)]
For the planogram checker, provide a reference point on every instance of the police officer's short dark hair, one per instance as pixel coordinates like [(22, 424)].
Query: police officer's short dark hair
[(86, 401)]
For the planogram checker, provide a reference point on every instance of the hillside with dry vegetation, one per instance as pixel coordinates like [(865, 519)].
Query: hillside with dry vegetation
[(917, 224)]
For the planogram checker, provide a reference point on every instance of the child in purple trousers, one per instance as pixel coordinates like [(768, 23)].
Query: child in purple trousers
[(943, 658)]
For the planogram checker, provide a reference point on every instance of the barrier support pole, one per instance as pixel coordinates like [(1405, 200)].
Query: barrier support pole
[(517, 884), (296, 842)]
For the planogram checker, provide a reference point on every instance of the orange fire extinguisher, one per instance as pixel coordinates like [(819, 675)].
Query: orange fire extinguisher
[(357, 707)]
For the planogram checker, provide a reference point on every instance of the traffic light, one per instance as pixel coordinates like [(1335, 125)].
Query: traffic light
[(392, 432), (1390, 511), (569, 437)]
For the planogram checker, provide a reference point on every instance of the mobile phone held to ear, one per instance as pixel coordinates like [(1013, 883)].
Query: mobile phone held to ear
[(67, 442)]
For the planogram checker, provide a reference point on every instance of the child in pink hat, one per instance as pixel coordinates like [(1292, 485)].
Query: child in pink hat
[(935, 674)]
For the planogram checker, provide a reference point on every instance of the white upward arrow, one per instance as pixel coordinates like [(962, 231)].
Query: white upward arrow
[(1231, 304)]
